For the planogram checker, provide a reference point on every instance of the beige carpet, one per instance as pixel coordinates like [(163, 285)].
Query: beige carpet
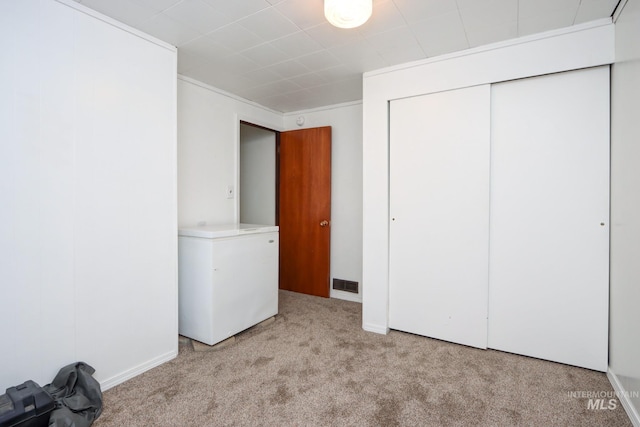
[(315, 366)]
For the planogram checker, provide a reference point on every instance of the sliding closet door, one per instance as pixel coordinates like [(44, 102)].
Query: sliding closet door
[(548, 293), (439, 215)]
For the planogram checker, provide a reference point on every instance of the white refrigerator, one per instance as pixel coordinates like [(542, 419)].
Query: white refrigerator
[(228, 279)]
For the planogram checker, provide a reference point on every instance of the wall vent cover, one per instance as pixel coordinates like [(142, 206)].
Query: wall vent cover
[(345, 285)]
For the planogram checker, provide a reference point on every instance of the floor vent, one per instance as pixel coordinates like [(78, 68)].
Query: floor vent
[(345, 285)]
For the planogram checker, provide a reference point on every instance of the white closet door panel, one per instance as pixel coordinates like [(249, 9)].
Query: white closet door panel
[(548, 294), (439, 205)]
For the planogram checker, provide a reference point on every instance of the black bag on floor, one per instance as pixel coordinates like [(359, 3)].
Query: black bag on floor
[(77, 395)]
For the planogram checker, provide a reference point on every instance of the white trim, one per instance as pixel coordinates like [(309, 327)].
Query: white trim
[(493, 46), (618, 10), (174, 239), (623, 396), (324, 108), (255, 121), (378, 329), (227, 94), (87, 11), (345, 296), (137, 370)]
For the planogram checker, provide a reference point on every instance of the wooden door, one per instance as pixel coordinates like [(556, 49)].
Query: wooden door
[(549, 276), (439, 207), (304, 210)]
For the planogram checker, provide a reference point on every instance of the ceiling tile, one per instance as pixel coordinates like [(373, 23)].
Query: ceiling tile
[(485, 14), (261, 77), (281, 87), (124, 11), (304, 13), (288, 69), (539, 23), (537, 8), (441, 35), (385, 17), (277, 46), (420, 10), (397, 46), (595, 9), (269, 24), (235, 37), (236, 63), (343, 91), (328, 35), (279, 102), (265, 54), (236, 9), (397, 39), (493, 34), (400, 56), (168, 30), (360, 56), (309, 80), (297, 44), (335, 74), (187, 61), (289, 102), (261, 92), (198, 15), (348, 90), (296, 101), (318, 60), (213, 75), (206, 48), (157, 5)]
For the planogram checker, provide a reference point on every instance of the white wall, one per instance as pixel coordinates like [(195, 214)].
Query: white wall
[(257, 189), (578, 47), (208, 150), (624, 337), (88, 195), (346, 187)]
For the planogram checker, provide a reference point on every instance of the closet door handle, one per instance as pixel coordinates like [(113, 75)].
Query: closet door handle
[(324, 223)]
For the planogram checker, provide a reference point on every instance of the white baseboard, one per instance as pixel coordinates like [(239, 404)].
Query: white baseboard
[(378, 329), (347, 296), (623, 396), (137, 370)]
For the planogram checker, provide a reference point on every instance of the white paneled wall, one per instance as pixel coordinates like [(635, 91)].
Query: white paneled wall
[(208, 150), (88, 187), (624, 345)]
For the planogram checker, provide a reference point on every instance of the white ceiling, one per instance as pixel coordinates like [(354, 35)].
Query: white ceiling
[(283, 54)]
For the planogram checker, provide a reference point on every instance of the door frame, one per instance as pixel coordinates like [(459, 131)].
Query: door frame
[(240, 120)]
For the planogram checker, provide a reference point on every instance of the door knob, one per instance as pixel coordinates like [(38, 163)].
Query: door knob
[(324, 223)]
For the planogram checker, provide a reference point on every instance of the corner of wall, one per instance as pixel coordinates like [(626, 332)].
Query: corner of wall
[(624, 396)]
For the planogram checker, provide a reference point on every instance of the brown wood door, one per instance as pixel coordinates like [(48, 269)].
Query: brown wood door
[(304, 210)]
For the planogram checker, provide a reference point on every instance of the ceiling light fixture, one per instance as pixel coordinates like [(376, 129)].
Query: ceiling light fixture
[(347, 13)]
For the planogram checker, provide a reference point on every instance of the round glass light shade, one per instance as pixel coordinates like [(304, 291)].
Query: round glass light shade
[(347, 13)]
